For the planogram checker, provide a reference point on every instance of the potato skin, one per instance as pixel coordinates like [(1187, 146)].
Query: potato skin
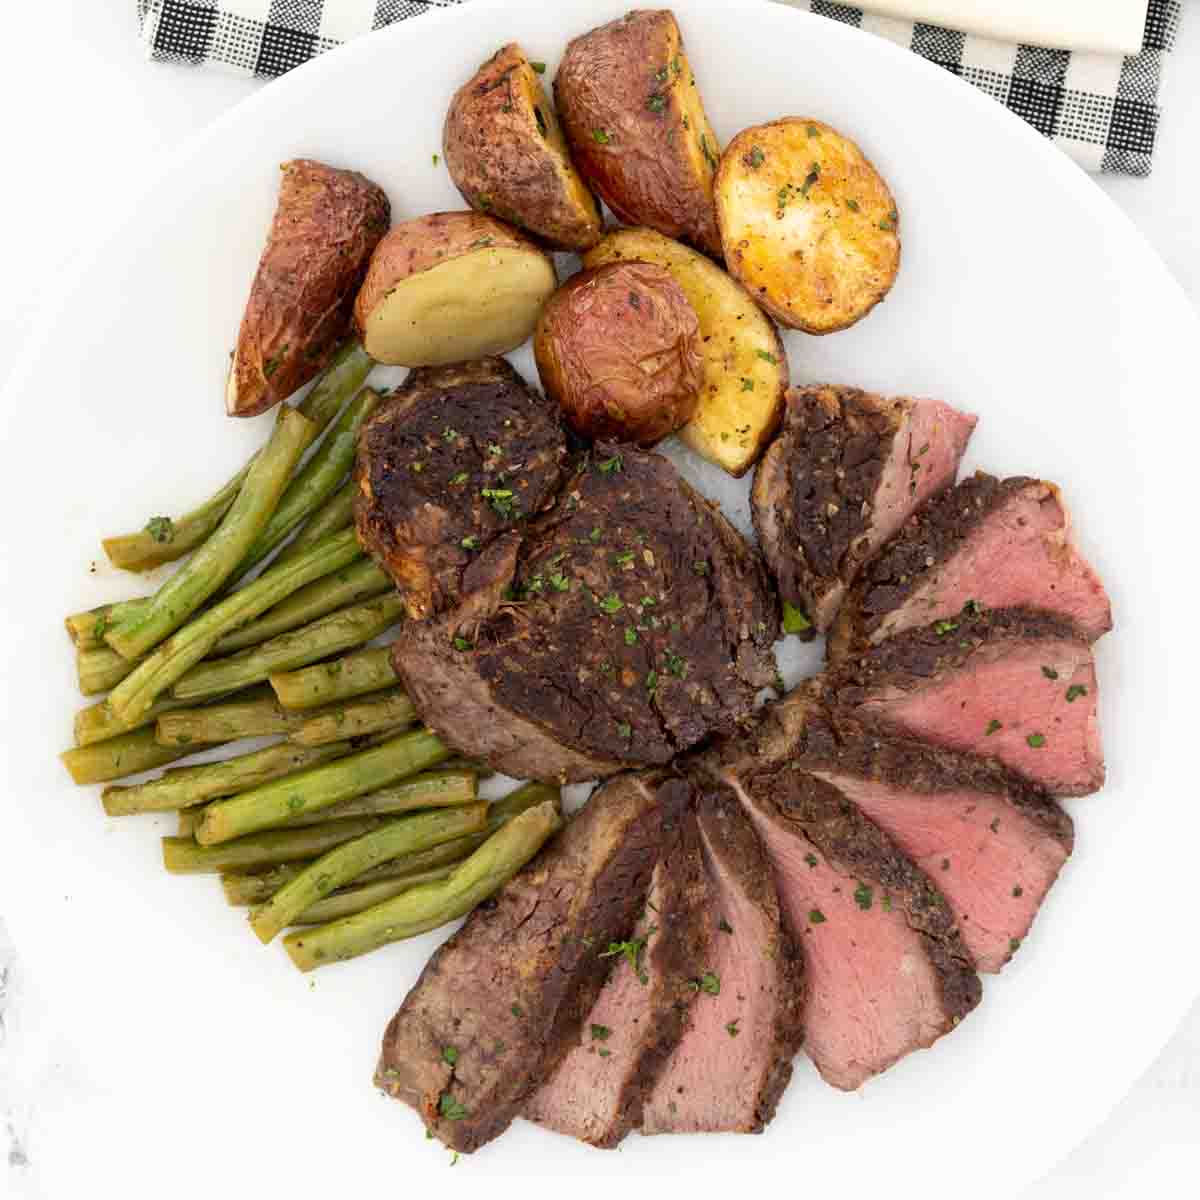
[(809, 226), (628, 101), (326, 226), (618, 347), (507, 155)]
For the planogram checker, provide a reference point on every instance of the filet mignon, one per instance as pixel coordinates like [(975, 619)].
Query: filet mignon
[(846, 470), (735, 1057), (1016, 686), (503, 1000), (1001, 543), (993, 844), (455, 457), (886, 967), (639, 623), (598, 1092)]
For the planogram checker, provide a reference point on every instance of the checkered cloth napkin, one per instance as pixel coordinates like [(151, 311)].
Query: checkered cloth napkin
[(1102, 110)]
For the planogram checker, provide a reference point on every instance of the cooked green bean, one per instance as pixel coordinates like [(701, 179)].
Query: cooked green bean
[(87, 629), (272, 804), (289, 651), (183, 856), (327, 683), (126, 754), (346, 373), (187, 647), (345, 863), (98, 722), (432, 904), (215, 561), (254, 713), (430, 789), (380, 710), (345, 902), (336, 515), (362, 580), (101, 670)]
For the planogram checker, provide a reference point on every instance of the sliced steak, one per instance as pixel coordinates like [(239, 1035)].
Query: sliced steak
[(993, 844), (598, 1092), (842, 476), (502, 1001), (735, 1057), (886, 967), (458, 455), (640, 622), (1002, 543), (1013, 685)]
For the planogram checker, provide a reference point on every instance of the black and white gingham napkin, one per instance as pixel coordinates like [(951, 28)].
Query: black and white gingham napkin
[(1101, 109)]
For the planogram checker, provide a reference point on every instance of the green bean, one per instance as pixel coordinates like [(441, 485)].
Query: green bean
[(182, 856), (87, 629), (380, 710), (98, 722), (344, 678), (316, 481), (346, 372), (345, 902), (432, 904), (330, 635), (186, 786), (100, 670), (254, 713), (189, 818), (336, 515), (218, 558), (361, 580), (345, 863), (184, 649), (126, 754), (430, 789), (273, 803)]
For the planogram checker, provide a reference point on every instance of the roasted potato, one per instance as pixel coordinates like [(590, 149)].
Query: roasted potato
[(619, 348), (628, 101), (327, 224), (745, 366), (506, 153), (807, 223), (449, 287)]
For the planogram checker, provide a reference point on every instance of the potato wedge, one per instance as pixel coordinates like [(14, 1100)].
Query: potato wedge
[(507, 155), (628, 101), (449, 287), (618, 346), (327, 224), (808, 224), (745, 365)]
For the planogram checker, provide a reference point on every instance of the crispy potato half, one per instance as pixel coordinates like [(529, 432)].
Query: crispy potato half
[(808, 224), (327, 224), (507, 155), (618, 346), (745, 366), (633, 115), (449, 287)]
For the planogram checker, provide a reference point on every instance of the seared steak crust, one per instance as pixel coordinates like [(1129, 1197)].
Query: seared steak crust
[(641, 622), (454, 458), (509, 991)]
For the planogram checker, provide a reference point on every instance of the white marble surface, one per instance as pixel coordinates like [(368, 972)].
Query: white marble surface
[(85, 122)]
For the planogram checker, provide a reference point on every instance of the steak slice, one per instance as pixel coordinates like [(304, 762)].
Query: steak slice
[(506, 995), (845, 472), (993, 844), (640, 623), (735, 1057), (885, 964), (454, 458), (599, 1089), (1002, 543), (1017, 686)]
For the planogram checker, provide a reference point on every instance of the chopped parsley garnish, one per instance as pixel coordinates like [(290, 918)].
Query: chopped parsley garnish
[(767, 356), (612, 603), (559, 582), (1050, 672), (483, 241), (656, 102), (651, 682), (625, 730), (273, 364), (852, 205), (450, 1108), (470, 543), (449, 434), (732, 1028), (700, 566), (812, 131), (886, 903), (710, 983), (539, 67), (862, 896), (992, 726), (1075, 691), (449, 1055), (941, 628), (747, 384), (595, 535), (436, 159), (1036, 740), (494, 450), (814, 173), (624, 558), (675, 664), (631, 636), (461, 477), (609, 465), (706, 150), (461, 643), (724, 926), (755, 158), (811, 859), (889, 222), (794, 621), (161, 529), (972, 608), (631, 951), (501, 499), (1014, 944), (601, 1033), (816, 917), (604, 1052), (599, 135), (660, 76), (517, 1010)]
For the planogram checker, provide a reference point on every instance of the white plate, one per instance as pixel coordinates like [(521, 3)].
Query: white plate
[(199, 1060)]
